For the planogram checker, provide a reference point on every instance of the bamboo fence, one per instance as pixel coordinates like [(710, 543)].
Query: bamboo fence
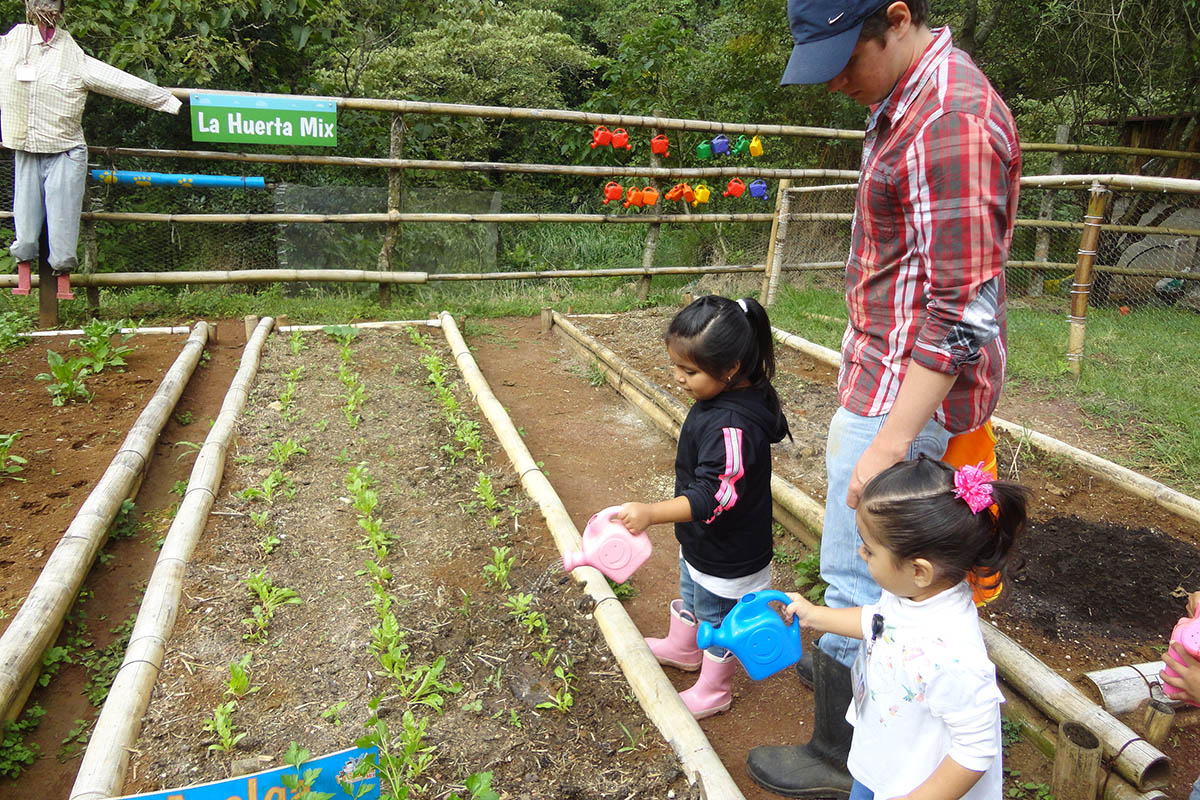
[(36, 625), (102, 771), (654, 691), (1137, 762)]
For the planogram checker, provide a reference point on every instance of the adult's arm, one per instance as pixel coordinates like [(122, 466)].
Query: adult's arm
[(107, 79)]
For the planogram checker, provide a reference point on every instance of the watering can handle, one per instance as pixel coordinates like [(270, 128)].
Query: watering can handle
[(610, 514), (765, 597)]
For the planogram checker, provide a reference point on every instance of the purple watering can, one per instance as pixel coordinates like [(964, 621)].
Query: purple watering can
[(758, 188), (610, 547), (720, 145), (756, 634)]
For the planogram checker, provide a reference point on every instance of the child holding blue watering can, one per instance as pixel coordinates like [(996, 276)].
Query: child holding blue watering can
[(925, 708), (724, 357)]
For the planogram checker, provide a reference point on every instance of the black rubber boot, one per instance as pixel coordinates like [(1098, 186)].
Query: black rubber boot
[(804, 668), (816, 769)]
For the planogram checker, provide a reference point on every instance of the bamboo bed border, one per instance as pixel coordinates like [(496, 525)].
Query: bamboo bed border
[(654, 691), (37, 623), (102, 770), (1143, 765)]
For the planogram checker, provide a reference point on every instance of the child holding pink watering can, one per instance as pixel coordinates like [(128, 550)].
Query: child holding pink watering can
[(1183, 679), (724, 357), (925, 706)]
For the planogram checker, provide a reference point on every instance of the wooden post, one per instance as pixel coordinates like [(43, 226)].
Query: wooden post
[(652, 231), (1076, 774), (251, 322), (547, 319), (1082, 285), (774, 259), (47, 284), (90, 254), (1041, 246), (395, 187), (1160, 715)]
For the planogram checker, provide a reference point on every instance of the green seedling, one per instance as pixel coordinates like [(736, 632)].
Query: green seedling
[(300, 785), (15, 753), (179, 488), (238, 683), (67, 378), (284, 450), (333, 713), (344, 335), (518, 605), (502, 564), (634, 743), (12, 325), (185, 417), (221, 723), (563, 698), (270, 599), (259, 518), (808, 577), (97, 343), (268, 544), (10, 464), (485, 493), (296, 343), (271, 485)]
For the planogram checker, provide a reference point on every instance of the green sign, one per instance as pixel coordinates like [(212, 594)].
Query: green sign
[(260, 119)]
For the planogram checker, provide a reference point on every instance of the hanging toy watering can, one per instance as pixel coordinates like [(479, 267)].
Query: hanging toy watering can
[(756, 147), (720, 145), (701, 194), (758, 188), (620, 139), (649, 196), (660, 146), (610, 547), (741, 146), (735, 188), (601, 137), (689, 196), (1187, 635), (633, 197), (674, 193), (612, 191), (704, 150), (756, 634)]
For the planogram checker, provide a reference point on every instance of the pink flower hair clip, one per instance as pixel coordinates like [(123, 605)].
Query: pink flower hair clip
[(974, 486)]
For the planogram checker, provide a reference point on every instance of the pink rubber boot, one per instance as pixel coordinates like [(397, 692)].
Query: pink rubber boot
[(22, 278), (64, 287), (679, 648), (712, 693)]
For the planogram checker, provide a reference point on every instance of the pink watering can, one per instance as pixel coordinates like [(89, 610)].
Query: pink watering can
[(610, 547), (1187, 635), (756, 634)]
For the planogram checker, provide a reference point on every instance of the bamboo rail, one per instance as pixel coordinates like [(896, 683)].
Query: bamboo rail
[(1134, 758), (383, 217), (102, 771), (1122, 689), (40, 618), (657, 696)]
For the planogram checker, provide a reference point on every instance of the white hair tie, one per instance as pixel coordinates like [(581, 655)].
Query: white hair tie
[(742, 302)]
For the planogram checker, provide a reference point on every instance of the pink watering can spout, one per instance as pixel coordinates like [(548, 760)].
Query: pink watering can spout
[(609, 547)]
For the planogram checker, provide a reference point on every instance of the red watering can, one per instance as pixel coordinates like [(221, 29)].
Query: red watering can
[(701, 194), (660, 145), (756, 147), (620, 139), (601, 137), (633, 197), (612, 191), (735, 188), (649, 196), (758, 188), (674, 193), (720, 145), (688, 194)]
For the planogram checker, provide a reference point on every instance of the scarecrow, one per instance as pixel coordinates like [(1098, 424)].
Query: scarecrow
[(44, 82)]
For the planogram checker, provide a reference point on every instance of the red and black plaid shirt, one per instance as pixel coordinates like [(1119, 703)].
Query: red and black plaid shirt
[(933, 220)]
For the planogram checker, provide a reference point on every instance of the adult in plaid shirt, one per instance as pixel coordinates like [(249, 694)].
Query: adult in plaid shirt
[(44, 82), (923, 353)]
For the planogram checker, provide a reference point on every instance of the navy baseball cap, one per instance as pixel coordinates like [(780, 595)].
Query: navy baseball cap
[(825, 32)]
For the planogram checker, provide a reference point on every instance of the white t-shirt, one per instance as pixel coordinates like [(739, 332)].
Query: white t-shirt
[(930, 692)]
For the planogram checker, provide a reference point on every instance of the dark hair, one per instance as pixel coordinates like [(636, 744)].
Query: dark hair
[(876, 26), (917, 515), (716, 334)]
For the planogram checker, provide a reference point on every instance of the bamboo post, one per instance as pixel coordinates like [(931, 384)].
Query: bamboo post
[(1082, 284), (102, 771), (1122, 689), (251, 322), (36, 625), (1076, 774), (395, 188), (1157, 722), (774, 259), (1041, 246), (652, 231), (654, 691)]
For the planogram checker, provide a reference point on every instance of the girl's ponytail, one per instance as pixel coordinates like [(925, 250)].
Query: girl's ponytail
[(1006, 518)]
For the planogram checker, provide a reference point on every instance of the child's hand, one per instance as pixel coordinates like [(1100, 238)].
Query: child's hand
[(799, 607), (1193, 601), (1188, 668), (635, 516)]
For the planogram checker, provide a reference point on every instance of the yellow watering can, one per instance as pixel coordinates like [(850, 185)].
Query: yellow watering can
[(702, 193)]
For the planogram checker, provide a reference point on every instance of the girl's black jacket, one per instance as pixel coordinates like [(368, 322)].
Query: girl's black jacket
[(723, 467)]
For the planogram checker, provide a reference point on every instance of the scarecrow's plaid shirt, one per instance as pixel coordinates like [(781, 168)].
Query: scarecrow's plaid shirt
[(933, 220)]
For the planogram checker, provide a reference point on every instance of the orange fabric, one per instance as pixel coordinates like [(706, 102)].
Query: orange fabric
[(974, 447)]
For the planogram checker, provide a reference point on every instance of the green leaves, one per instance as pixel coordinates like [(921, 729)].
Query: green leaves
[(66, 379)]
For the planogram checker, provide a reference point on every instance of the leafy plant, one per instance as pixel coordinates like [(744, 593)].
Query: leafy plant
[(342, 334), (97, 343), (12, 325), (296, 343), (634, 743), (485, 493), (497, 571), (283, 450), (185, 417), (221, 723), (238, 683), (270, 599), (15, 753), (10, 464), (66, 379), (333, 713), (808, 577), (300, 785), (102, 665), (563, 698), (271, 485)]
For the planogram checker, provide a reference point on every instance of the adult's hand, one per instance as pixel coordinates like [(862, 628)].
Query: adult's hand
[(875, 459)]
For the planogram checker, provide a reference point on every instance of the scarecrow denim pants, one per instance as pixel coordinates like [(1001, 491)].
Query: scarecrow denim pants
[(48, 187), (850, 583)]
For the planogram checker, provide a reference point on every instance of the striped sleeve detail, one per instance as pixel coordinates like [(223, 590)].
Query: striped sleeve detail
[(726, 493)]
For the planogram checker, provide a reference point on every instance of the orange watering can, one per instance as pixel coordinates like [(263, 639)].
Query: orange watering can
[(674, 193), (688, 195), (612, 191), (702, 194), (601, 137), (649, 196), (660, 146), (633, 197), (756, 147), (620, 139), (735, 188)]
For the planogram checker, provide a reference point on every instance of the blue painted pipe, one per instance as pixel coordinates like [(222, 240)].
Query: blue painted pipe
[(173, 179)]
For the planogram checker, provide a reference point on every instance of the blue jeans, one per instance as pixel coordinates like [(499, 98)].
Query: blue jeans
[(1195, 795), (850, 583), (860, 792), (48, 187), (707, 607)]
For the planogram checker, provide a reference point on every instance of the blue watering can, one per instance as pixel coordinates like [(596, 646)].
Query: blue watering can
[(756, 634), (758, 188), (720, 145)]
